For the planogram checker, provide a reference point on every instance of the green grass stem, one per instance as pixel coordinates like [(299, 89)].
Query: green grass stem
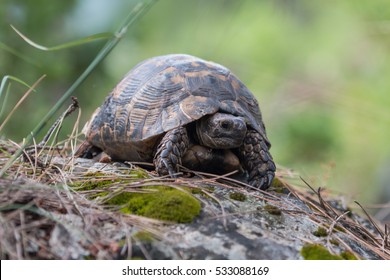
[(135, 14)]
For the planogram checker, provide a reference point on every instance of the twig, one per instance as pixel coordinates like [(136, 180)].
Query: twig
[(371, 220), (72, 107), (331, 227)]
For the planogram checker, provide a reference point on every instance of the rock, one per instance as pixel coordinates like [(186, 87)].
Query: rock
[(235, 222), (240, 223), (247, 230)]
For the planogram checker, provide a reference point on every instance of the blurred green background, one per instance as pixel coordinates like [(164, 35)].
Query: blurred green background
[(320, 70)]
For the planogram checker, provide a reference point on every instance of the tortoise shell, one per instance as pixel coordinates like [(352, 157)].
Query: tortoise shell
[(163, 93)]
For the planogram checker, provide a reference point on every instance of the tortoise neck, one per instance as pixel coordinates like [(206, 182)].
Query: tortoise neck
[(200, 135), (192, 130)]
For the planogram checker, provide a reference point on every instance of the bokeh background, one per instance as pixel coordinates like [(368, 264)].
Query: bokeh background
[(320, 70)]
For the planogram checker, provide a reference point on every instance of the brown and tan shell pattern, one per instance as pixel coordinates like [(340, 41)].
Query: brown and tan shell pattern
[(163, 93)]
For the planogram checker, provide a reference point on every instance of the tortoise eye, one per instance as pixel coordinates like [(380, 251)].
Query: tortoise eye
[(225, 124)]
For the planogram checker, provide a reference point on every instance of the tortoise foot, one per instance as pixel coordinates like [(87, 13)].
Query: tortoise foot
[(257, 160), (87, 150), (170, 151)]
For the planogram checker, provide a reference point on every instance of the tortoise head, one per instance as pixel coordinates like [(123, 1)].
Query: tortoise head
[(221, 131)]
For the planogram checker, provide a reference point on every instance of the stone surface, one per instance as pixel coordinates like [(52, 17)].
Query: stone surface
[(246, 230), (275, 224)]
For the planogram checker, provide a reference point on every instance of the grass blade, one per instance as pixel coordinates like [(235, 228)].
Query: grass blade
[(31, 89), (140, 9), (4, 82), (17, 54), (89, 39)]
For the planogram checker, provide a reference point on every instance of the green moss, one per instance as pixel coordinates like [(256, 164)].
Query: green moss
[(144, 237), (321, 232), (94, 180), (162, 203), (339, 228), (273, 210), (278, 186), (98, 179), (334, 242), (200, 190), (237, 196), (347, 255), (159, 202), (196, 191), (138, 173), (317, 252), (5, 152), (120, 199)]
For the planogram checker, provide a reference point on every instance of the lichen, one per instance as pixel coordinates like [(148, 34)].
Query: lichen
[(237, 196), (273, 210), (320, 232)]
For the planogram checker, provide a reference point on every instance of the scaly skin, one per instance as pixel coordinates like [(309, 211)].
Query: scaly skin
[(257, 160), (86, 150), (170, 151)]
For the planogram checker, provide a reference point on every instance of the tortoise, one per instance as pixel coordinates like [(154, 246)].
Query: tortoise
[(178, 109)]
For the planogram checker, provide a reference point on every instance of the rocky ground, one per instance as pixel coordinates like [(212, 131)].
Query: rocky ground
[(78, 209)]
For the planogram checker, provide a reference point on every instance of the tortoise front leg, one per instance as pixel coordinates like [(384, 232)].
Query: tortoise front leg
[(170, 151), (257, 160), (87, 150)]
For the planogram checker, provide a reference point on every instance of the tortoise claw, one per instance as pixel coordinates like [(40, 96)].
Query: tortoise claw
[(263, 182), (270, 178), (166, 169)]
